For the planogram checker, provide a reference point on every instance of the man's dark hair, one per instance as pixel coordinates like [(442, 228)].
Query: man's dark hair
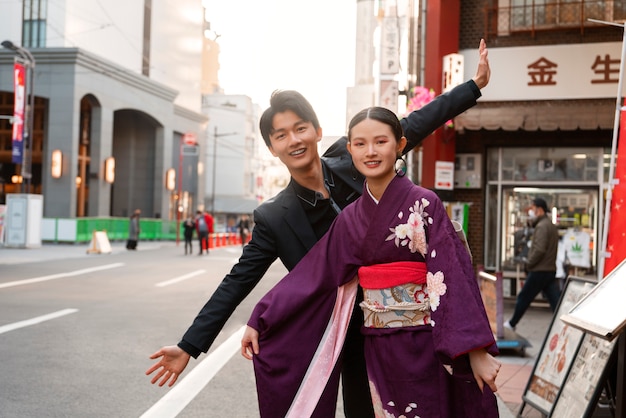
[(541, 203), (282, 101)]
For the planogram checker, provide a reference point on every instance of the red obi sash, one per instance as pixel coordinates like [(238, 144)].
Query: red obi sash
[(382, 276)]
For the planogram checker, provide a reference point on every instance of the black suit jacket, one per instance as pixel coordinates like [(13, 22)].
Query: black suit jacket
[(282, 229)]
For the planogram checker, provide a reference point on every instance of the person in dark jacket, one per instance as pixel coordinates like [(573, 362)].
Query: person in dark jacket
[(244, 229), (188, 227), (541, 263), (288, 225), (133, 230)]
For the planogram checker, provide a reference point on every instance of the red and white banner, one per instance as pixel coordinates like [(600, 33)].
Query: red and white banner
[(616, 239), (19, 84)]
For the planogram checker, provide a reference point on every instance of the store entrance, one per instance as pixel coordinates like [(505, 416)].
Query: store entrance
[(573, 210)]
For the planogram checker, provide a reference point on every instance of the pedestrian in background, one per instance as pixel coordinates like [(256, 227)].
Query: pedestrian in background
[(133, 230), (188, 227), (541, 263), (204, 226), (244, 229), (210, 222)]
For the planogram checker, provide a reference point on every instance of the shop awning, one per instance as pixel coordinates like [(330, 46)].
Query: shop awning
[(544, 116)]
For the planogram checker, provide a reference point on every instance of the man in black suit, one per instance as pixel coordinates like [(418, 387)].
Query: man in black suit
[(288, 225)]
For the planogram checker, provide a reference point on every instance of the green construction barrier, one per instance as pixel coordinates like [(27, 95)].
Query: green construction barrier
[(81, 230)]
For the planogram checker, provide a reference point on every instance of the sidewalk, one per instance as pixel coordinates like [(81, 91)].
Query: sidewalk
[(49, 251), (517, 366), (511, 381)]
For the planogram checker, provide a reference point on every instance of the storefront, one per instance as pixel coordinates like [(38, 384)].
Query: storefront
[(570, 180)]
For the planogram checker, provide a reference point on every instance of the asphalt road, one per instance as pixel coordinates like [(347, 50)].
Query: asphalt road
[(76, 331)]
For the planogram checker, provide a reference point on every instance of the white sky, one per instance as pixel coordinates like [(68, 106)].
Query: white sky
[(306, 46)]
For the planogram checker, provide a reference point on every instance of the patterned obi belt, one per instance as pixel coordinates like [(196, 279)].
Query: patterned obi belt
[(395, 295)]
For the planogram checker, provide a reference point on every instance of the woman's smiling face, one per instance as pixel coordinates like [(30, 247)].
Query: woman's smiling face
[(374, 149)]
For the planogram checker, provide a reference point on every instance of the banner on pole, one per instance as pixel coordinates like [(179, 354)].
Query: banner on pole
[(19, 84)]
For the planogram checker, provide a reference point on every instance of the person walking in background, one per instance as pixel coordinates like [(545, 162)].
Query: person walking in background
[(211, 223), (428, 342), (541, 263), (188, 227), (204, 226), (244, 229), (288, 225), (133, 230)]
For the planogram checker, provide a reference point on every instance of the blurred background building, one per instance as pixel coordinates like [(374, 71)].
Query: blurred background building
[(543, 128), (117, 91)]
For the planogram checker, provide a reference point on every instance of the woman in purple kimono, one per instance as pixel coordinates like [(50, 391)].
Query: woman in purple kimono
[(428, 343)]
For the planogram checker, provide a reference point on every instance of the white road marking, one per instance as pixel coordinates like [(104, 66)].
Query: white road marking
[(60, 275), (172, 403), (36, 320), (180, 278)]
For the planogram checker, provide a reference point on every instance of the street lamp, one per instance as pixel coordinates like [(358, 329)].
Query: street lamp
[(188, 146), (27, 128), (215, 136)]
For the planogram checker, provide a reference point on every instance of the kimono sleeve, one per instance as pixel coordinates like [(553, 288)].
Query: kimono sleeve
[(307, 292), (460, 320), (292, 319)]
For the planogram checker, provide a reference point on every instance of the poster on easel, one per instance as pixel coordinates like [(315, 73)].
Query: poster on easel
[(558, 350), (602, 311), (583, 385)]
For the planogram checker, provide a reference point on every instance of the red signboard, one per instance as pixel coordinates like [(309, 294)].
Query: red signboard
[(190, 139)]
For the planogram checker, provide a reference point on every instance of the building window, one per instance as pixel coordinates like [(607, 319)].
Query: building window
[(34, 14), (571, 181), (512, 16)]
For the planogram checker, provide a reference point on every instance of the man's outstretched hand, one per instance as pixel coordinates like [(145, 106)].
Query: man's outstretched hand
[(173, 361)]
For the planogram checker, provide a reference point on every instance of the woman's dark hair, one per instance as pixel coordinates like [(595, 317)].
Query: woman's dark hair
[(282, 101), (380, 114)]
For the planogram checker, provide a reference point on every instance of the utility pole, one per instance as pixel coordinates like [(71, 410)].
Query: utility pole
[(215, 136)]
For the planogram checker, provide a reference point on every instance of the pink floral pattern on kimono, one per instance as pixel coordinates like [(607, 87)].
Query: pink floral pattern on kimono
[(412, 233), (436, 288), (381, 412)]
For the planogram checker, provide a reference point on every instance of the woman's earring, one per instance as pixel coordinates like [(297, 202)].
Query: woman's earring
[(401, 167)]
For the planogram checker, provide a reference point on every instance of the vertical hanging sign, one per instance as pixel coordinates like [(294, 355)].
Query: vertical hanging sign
[(19, 84), (389, 46)]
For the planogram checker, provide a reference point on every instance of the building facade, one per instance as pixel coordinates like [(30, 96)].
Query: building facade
[(112, 82), (543, 128)]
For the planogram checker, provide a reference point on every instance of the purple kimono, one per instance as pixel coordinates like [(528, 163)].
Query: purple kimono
[(422, 306)]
